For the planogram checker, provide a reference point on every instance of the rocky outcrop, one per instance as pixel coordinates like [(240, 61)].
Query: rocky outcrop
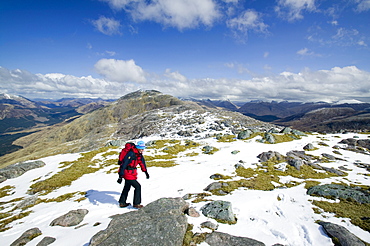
[(340, 191), (219, 210), (161, 222), (341, 235), (46, 241), (265, 156), (72, 218), (16, 170), (223, 239), (29, 201), (27, 236)]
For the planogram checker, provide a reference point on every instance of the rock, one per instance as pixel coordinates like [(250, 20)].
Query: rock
[(161, 222), (2, 178), (215, 176), (223, 239), (328, 156), (27, 236), (234, 152), (286, 130), (117, 143), (192, 212), (207, 149), (29, 201), (219, 210), (265, 156), (213, 186), (72, 218), (341, 234), (299, 155), (294, 162), (340, 191), (46, 241), (269, 138), (16, 170), (244, 134), (309, 146), (209, 225), (298, 133), (335, 171)]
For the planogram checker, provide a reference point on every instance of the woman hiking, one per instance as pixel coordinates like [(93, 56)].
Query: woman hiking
[(128, 171)]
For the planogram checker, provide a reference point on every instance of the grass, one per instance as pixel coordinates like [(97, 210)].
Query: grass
[(358, 213), (73, 170), (6, 190), (5, 222)]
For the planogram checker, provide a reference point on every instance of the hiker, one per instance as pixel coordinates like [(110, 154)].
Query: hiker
[(128, 171)]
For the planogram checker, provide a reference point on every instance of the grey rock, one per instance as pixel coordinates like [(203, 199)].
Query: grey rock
[(299, 155), (209, 225), (192, 212), (328, 156), (244, 134), (269, 138), (297, 163), (117, 143), (224, 239), (16, 170), (2, 178), (161, 222), (286, 130), (219, 210), (29, 201), (333, 170), (213, 186), (265, 156), (215, 176), (207, 149), (340, 191), (27, 236), (72, 218), (298, 133), (340, 233), (46, 241), (309, 146)]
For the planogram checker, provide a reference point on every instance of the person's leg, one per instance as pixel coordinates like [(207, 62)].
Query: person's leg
[(137, 192), (124, 194)]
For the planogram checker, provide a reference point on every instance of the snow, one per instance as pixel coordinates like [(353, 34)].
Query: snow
[(282, 216)]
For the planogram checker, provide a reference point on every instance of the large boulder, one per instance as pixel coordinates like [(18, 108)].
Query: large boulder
[(223, 239), (161, 222), (341, 234), (265, 156), (16, 170), (27, 236), (340, 191), (219, 210), (72, 218)]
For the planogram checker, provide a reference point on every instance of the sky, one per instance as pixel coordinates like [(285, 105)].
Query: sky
[(238, 50), (284, 215)]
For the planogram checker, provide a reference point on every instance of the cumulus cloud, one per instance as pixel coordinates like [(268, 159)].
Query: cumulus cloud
[(107, 26), (338, 83), (292, 9), (249, 20), (180, 14), (120, 71)]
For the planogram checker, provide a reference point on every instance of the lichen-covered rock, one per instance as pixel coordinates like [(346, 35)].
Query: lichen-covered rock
[(340, 191), (219, 210), (213, 186), (265, 156), (16, 170), (46, 241), (294, 162), (27, 236), (309, 146), (161, 222), (29, 201), (72, 218), (341, 234), (224, 239)]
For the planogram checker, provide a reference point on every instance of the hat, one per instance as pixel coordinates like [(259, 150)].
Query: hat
[(140, 145)]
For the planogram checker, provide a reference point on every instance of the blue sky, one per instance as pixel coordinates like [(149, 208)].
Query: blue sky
[(305, 50)]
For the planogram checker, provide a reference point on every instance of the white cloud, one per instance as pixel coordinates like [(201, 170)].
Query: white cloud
[(292, 9), (180, 14), (362, 5), (107, 26), (266, 54), (346, 83), (120, 71), (247, 21), (307, 52)]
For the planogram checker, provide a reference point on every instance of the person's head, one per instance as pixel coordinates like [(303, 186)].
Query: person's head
[(140, 146)]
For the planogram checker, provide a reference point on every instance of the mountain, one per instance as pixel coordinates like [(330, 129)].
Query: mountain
[(328, 117), (135, 115), (221, 104)]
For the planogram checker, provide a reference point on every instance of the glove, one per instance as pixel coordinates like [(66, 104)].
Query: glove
[(119, 180), (147, 175)]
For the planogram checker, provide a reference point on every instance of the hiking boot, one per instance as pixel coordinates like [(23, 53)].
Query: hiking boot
[(138, 206), (123, 205)]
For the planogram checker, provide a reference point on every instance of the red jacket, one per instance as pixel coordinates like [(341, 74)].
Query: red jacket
[(131, 161)]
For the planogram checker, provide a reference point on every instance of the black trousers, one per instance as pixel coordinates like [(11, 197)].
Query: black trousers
[(126, 189)]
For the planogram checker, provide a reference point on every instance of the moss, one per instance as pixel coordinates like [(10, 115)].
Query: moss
[(192, 154), (6, 190), (358, 213), (161, 164), (281, 138), (4, 223), (337, 152), (226, 138), (323, 144), (200, 197), (65, 177), (309, 184), (221, 176), (193, 239)]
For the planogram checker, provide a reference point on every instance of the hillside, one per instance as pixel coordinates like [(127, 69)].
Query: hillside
[(138, 114)]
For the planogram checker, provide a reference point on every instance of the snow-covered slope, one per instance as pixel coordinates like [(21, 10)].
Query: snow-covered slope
[(282, 215)]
